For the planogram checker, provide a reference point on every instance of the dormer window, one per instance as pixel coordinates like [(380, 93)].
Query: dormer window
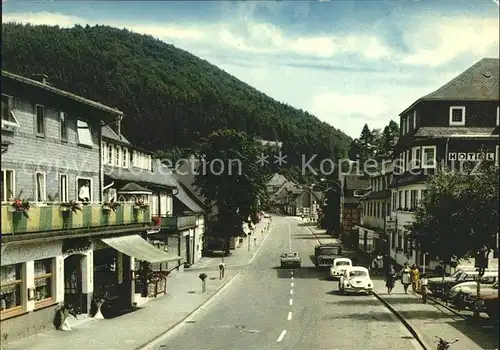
[(457, 116), (414, 119), (408, 120)]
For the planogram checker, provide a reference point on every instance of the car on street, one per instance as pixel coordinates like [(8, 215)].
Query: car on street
[(356, 279), (487, 280), (467, 299), (441, 289), (290, 259), (325, 254), (267, 215), (339, 266)]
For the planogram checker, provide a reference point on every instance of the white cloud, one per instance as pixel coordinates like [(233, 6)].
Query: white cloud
[(437, 42)]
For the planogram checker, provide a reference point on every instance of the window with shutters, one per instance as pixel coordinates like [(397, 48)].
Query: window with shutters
[(9, 119)]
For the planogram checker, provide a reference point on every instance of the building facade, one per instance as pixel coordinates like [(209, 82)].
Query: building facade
[(372, 229), (354, 189), (54, 215), (457, 123)]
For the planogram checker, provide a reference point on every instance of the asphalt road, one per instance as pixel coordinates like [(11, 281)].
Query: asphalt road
[(266, 307)]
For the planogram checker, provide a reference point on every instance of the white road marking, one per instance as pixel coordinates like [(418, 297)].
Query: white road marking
[(282, 335), (289, 316), (155, 343), (291, 291), (291, 272), (291, 302), (261, 245), (291, 284), (292, 278)]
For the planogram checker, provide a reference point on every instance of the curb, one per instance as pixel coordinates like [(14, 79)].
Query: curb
[(314, 235), (215, 293), (408, 326), (442, 304)]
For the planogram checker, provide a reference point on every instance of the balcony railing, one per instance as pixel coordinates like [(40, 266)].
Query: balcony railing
[(178, 222), (52, 217)]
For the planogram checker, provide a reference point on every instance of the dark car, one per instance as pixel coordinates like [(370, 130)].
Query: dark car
[(325, 254)]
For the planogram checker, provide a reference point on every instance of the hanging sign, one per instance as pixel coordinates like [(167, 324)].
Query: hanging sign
[(471, 156)]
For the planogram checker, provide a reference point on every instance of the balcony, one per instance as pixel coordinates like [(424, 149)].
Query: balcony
[(178, 222), (51, 217)]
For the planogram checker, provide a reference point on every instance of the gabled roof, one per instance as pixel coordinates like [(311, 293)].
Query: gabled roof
[(108, 132), (74, 97), (277, 180), (161, 176), (480, 82), (133, 187)]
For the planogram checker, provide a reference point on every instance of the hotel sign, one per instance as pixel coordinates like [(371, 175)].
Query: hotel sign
[(471, 157)]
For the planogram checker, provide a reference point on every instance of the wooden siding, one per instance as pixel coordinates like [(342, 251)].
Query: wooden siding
[(51, 218)]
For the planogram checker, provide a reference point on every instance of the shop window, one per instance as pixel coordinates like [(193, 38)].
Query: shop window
[(11, 289), (43, 280)]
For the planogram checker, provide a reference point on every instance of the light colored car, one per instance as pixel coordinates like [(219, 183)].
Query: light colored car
[(339, 266), (356, 279), (267, 215), (290, 259), (487, 280)]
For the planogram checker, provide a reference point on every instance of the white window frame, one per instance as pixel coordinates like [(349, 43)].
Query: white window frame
[(118, 158), (497, 155), (111, 154), (356, 193), (460, 123), (403, 125), (14, 123), (414, 119), (125, 157), (8, 198), (498, 115), (44, 194), (408, 124), (104, 153), (415, 159), (78, 134), (40, 134), (62, 127), (64, 197), (91, 189), (422, 162)]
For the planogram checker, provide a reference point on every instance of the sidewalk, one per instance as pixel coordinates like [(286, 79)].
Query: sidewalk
[(321, 236), (135, 329), (430, 320), (240, 256)]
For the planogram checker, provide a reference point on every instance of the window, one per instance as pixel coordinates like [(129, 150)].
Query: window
[(110, 194), (496, 156), (413, 200), (498, 116), (84, 134), (428, 156), (63, 187), (400, 199), (414, 119), (110, 154), (407, 199), (408, 118), (43, 280), (125, 158), (457, 116), (394, 200), (358, 193), (8, 187), (63, 120), (84, 188), (11, 288), (8, 116), (163, 205), (416, 158), (403, 127), (117, 155), (40, 120), (104, 153), (40, 186)]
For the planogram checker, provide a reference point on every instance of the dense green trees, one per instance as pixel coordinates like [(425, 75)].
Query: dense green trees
[(170, 97), (459, 214), (374, 143), (230, 177)]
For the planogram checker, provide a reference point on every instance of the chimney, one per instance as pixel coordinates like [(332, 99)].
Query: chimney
[(117, 126), (42, 78)]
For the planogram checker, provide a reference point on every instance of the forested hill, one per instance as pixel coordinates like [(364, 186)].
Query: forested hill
[(170, 97)]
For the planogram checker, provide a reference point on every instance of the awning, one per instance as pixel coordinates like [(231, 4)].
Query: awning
[(137, 247)]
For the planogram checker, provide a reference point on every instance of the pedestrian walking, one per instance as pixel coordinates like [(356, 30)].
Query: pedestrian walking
[(405, 277), (423, 287), (390, 279), (415, 277)]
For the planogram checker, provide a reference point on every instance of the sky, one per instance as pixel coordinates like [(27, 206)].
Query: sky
[(346, 62)]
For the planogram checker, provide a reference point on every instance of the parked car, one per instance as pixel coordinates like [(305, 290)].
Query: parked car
[(267, 215), (488, 301), (290, 259), (339, 266), (487, 280), (356, 279), (441, 289)]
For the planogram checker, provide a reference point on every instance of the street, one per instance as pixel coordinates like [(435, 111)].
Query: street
[(266, 307)]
